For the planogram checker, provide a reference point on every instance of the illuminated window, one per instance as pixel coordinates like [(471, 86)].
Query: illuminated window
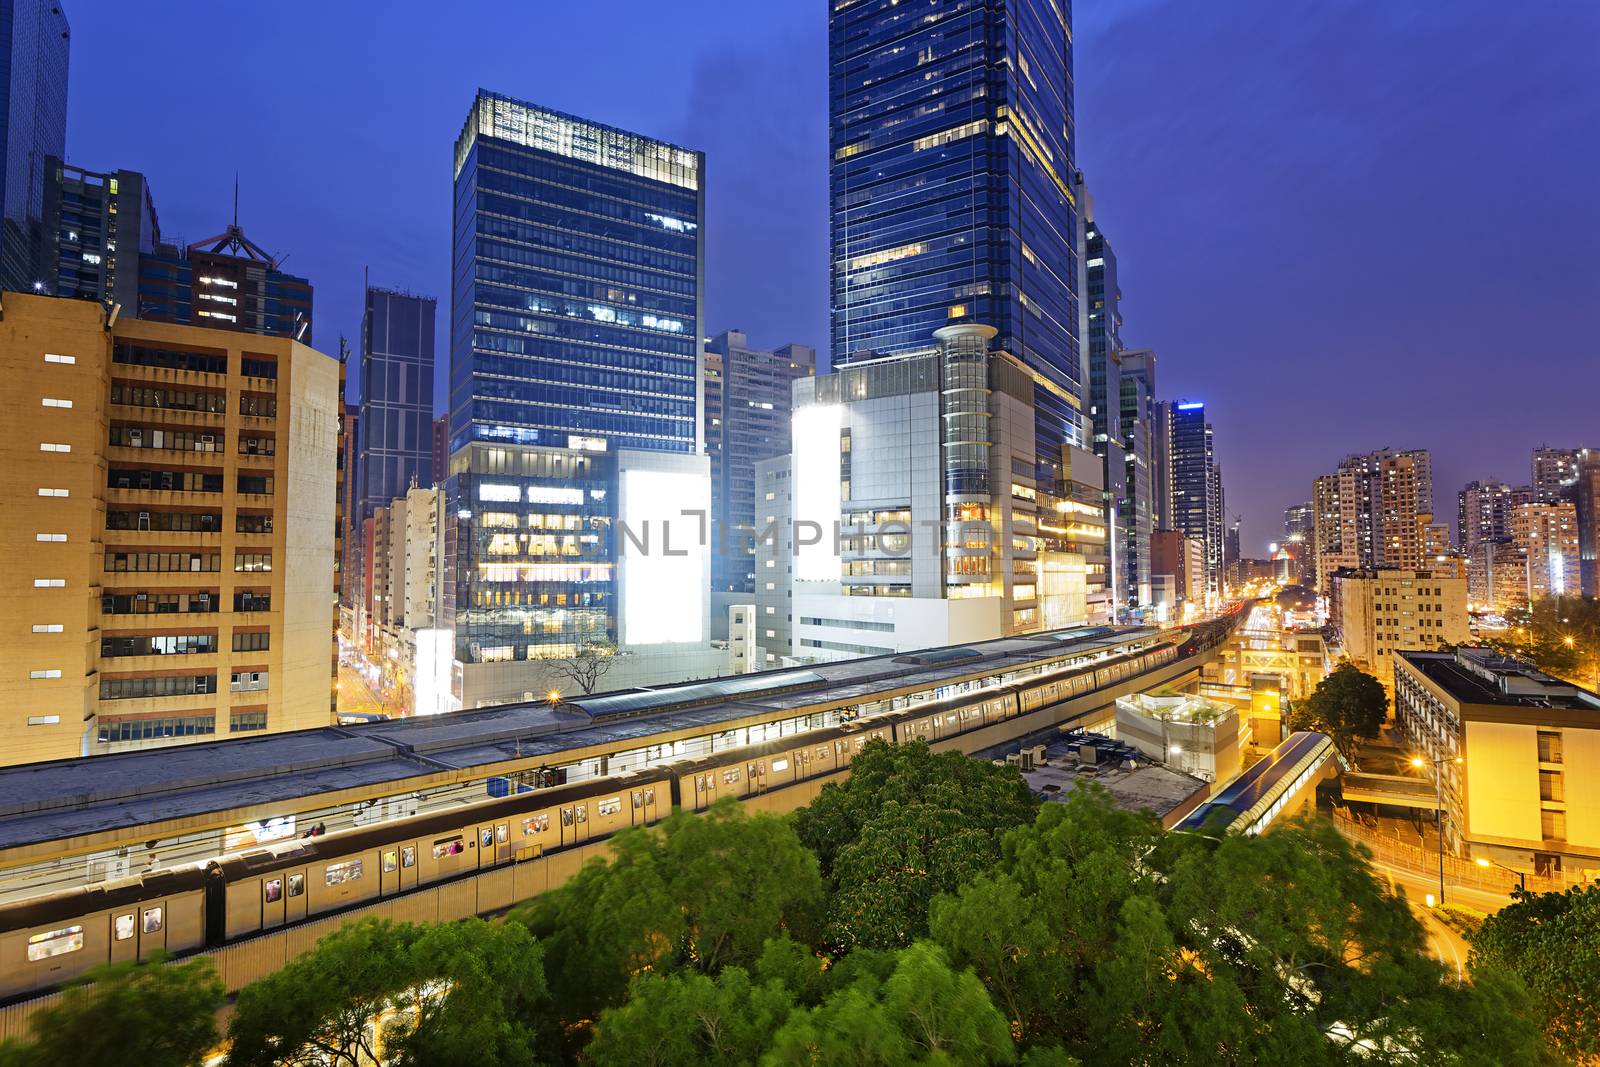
[(888, 255), (55, 943), (53, 402)]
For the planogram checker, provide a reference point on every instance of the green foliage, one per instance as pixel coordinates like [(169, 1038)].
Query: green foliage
[(701, 892), (924, 1012), (906, 826), (1346, 705), (1121, 945), (1464, 921), (1560, 636), (455, 993), (1551, 941), (688, 1017), (127, 1015)]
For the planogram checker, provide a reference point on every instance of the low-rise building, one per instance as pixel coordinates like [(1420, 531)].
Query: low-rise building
[(1513, 751), (1193, 734), (1379, 612)]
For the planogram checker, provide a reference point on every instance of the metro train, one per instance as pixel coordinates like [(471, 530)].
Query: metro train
[(51, 939)]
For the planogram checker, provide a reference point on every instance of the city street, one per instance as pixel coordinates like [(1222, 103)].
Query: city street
[(356, 697)]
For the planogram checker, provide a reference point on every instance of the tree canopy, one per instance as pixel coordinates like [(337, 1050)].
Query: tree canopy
[(1551, 941), (1348, 704), (905, 826)]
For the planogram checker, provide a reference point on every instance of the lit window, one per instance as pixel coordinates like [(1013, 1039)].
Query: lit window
[(55, 492), (51, 446), (49, 583), (50, 537), (53, 402), (51, 357), (55, 943), (53, 673), (47, 627), (44, 720)]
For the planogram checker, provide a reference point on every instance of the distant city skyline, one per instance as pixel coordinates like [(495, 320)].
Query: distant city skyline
[(1273, 285)]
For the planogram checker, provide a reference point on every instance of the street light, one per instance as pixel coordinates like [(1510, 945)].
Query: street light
[(1522, 877), (1438, 807)]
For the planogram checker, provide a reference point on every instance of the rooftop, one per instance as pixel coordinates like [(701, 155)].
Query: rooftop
[(1478, 675), (1073, 757)]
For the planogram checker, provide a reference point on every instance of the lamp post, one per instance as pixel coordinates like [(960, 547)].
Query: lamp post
[(1438, 807), (1522, 877)]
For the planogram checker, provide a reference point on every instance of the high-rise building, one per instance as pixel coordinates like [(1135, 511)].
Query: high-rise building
[(441, 449), (1555, 471), (1586, 496), (574, 400), (1100, 325), (350, 540), (34, 45), (97, 229), (951, 138), (226, 282), (396, 397), (774, 596), (169, 578), (1197, 487), (1141, 456), (1374, 513), (747, 403), (1161, 465), (1483, 513), (1547, 536), (1299, 523)]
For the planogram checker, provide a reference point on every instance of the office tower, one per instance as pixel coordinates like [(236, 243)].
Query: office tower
[(1140, 450), (1547, 537), (1196, 487), (1233, 548), (1554, 472), (1100, 325), (774, 595), (747, 405), (97, 228), (951, 137), (441, 449), (574, 399), (1299, 523), (396, 397), (350, 542), (919, 459), (226, 282), (1161, 465), (1483, 513), (168, 579), (34, 43), (1586, 495)]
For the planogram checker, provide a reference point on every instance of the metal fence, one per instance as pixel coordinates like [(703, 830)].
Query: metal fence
[(1397, 851)]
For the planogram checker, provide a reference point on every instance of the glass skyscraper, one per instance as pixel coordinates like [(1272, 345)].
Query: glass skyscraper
[(952, 161), (34, 43), (396, 416), (575, 357)]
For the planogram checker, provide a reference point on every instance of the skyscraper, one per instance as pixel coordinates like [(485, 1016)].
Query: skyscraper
[(34, 44), (1554, 471), (97, 228), (1298, 522), (575, 359), (226, 282), (1197, 487), (1483, 513), (1586, 495), (1374, 512), (747, 404), (951, 137), (1141, 457), (396, 397)]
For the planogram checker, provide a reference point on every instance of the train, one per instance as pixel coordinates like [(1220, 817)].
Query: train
[(51, 939)]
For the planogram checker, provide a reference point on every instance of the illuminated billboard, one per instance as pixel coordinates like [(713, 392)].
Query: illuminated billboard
[(664, 579), (816, 492)]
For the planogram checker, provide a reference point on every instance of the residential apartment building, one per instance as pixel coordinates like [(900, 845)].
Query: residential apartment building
[(1586, 497), (1547, 537), (1483, 513), (170, 579), (408, 640), (1553, 471), (1379, 612), (1374, 512), (1513, 750)]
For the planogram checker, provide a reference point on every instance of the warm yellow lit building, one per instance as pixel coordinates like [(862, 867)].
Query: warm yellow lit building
[(1377, 613), (1514, 751), (169, 531)]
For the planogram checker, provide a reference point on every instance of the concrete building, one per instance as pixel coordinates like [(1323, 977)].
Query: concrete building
[(1554, 472), (409, 642), (1483, 513), (1378, 612), (35, 41), (97, 228), (747, 411), (1182, 560), (1546, 535), (920, 461), (1373, 512), (1140, 456), (1205, 738), (1586, 498), (1513, 751), (774, 597), (171, 471), (225, 282), (1299, 523), (744, 655)]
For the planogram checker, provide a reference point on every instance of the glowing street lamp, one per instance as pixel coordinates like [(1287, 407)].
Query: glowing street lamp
[(1438, 808), (1522, 877)]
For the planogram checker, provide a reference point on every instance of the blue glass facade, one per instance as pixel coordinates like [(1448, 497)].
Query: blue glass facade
[(396, 418), (952, 156), (34, 44), (575, 330)]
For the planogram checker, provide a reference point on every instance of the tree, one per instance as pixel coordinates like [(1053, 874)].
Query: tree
[(905, 826), (378, 991), (1347, 704), (696, 892), (688, 1017), (1551, 941), (1559, 635), (152, 1014), (585, 667), (1121, 944)]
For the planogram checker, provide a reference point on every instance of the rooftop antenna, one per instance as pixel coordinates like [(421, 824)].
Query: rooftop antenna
[(236, 200)]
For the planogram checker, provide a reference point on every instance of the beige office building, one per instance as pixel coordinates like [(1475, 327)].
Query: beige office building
[(1378, 613), (169, 532), (1524, 792)]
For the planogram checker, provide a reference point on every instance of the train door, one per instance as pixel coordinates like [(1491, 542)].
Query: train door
[(272, 901), (644, 805), (294, 896), (486, 845), (502, 842), (758, 776), (705, 790), (152, 928), (124, 935), (575, 823), (389, 871)]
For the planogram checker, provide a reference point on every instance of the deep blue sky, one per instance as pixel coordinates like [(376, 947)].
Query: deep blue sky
[(1342, 224)]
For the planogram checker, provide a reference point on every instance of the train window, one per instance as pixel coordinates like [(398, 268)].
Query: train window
[(449, 846), (122, 927), (822, 751), (699, 783), (638, 799), (152, 920), (535, 824), (408, 856), (501, 832), (650, 796), (297, 885), (272, 890), (486, 837), (55, 943), (583, 813), (780, 764), (729, 777), (348, 871), (609, 806), (566, 816), (391, 861)]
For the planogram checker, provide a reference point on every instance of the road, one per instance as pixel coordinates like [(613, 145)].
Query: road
[(356, 696), (1447, 946)]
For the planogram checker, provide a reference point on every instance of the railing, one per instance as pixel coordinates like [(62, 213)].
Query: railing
[(1397, 851)]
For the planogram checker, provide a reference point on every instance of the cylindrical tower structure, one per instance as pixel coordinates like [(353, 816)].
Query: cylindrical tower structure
[(964, 410)]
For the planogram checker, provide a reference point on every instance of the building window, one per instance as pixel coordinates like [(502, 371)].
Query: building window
[(246, 721), (177, 685), (44, 720), (55, 492), (51, 357), (51, 446), (154, 729), (56, 537), (49, 583), (1553, 825), (1549, 747), (51, 673), (248, 682), (47, 627), (252, 642), (1552, 787), (252, 600), (252, 562), (53, 402)]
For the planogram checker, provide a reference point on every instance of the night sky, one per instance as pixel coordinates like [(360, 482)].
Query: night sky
[(1342, 224)]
